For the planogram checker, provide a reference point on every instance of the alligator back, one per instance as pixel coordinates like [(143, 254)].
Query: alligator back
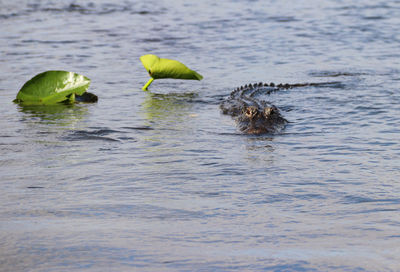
[(254, 115)]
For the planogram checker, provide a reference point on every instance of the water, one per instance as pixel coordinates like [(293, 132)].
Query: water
[(162, 181)]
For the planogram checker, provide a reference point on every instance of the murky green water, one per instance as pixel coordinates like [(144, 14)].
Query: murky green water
[(161, 180)]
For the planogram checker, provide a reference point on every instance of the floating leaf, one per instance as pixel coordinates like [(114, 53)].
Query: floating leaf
[(52, 87), (167, 68)]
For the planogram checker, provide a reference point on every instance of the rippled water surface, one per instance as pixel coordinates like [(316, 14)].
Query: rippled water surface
[(161, 180)]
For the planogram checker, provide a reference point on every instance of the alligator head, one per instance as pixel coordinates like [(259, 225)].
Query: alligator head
[(256, 120)]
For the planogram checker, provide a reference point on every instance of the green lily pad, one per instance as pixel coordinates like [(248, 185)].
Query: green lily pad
[(167, 68), (52, 87)]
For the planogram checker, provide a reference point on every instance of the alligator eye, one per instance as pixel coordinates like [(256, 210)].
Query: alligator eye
[(268, 111), (251, 112)]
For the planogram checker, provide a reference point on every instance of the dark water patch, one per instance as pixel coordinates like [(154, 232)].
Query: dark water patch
[(83, 135), (262, 137), (374, 143), (231, 171), (35, 187), (103, 131), (126, 138), (198, 152), (332, 84), (393, 130), (91, 255), (236, 134), (283, 19), (302, 134), (138, 128), (336, 74), (143, 12), (101, 30), (370, 110), (90, 8), (119, 82), (286, 198), (354, 199), (305, 35), (169, 162), (208, 194), (217, 24), (374, 18), (25, 53), (128, 211), (163, 39), (174, 95), (8, 16), (361, 6), (377, 210), (376, 6), (51, 41), (150, 40), (309, 183), (389, 237), (198, 98), (300, 266)]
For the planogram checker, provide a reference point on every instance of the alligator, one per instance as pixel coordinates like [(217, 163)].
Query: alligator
[(255, 116)]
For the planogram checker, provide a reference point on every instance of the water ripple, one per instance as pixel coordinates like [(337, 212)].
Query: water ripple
[(161, 180), (84, 135)]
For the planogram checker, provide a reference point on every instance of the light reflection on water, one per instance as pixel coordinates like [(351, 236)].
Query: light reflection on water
[(161, 180)]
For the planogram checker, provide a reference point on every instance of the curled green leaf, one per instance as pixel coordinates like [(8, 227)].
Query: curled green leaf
[(167, 68), (51, 87)]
